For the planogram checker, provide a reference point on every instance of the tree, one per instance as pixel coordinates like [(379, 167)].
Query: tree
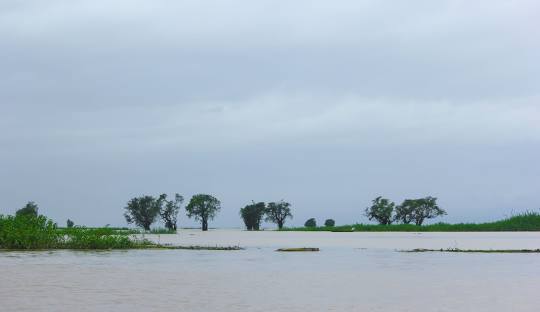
[(143, 210), (70, 223), (30, 209), (203, 207), (169, 212), (405, 211), (278, 213), (329, 223), (311, 223), (427, 208), (418, 210), (252, 215), (381, 210)]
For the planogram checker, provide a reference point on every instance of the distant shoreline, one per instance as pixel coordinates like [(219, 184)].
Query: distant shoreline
[(526, 222)]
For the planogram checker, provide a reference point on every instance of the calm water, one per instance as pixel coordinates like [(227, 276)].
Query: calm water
[(353, 272)]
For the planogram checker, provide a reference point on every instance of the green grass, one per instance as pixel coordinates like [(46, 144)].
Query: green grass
[(39, 232), (529, 221), (476, 250), (162, 231)]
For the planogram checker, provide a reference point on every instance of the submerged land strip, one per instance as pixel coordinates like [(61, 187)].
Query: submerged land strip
[(475, 250)]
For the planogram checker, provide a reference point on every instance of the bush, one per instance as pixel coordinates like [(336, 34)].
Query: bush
[(311, 223), (329, 223), (39, 232), (28, 232), (100, 238)]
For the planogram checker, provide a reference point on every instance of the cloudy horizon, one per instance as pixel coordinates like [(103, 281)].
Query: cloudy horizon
[(325, 106)]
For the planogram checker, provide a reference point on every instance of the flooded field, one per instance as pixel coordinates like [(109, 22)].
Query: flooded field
[(352, 272)]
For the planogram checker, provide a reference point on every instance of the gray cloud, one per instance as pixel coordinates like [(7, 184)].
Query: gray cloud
[(326, 105)]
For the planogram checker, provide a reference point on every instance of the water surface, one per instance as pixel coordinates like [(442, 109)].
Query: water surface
[(352, 272)]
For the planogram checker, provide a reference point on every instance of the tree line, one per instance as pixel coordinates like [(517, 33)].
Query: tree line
[(145, 210), (410, 211)]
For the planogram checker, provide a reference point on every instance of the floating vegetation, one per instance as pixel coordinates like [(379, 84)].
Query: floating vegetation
[(194, 247), (297, 249), (475, 250)]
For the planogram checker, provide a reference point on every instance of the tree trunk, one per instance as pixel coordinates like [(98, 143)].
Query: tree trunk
[(280, 225), (205, 225)]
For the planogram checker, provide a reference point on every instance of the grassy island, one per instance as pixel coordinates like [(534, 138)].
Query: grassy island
[(529, 221), (29, 232)]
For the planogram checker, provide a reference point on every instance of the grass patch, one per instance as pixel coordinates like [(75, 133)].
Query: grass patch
[(39, 232), (162, 231), (297, 249), (529, 221), (476, 250), (195, 247)]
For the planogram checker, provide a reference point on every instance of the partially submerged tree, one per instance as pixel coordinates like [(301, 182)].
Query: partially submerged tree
[(70, 223), (418, 210), (311, 223), (252, 215), (169, 211), (278, 213), (30, 209), (203, 207), (381, 210), (144, 210), (329, 222)]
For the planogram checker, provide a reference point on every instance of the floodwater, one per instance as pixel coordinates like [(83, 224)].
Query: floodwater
[(352, 272)]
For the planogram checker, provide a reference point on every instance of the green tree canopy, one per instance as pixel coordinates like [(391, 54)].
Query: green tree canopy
[(252, 215), (380, 210), (329, 222), (30, 209), (311, 223), (418, 210), (278, 213), (169, 212), (70, 223), (203, 207), (144, 210)]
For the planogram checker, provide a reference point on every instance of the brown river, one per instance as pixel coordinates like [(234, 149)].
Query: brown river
[(352, 272)]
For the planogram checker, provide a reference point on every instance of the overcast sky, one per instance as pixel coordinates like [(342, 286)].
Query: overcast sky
[(326, 104)]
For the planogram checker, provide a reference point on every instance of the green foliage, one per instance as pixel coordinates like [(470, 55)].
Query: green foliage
[(39, 232), (418, 210), (381, 210), (162, 231), (99, 238), (311, 223), (329, 223), (143, 210), (70, 223), (25, 231), (529, 221), (30, 209), (278, 213), (252, 215), (203, 207), (169, 212)]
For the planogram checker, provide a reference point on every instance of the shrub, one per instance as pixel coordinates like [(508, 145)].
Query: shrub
[(28, 232), (311, 223), (329, 222)]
